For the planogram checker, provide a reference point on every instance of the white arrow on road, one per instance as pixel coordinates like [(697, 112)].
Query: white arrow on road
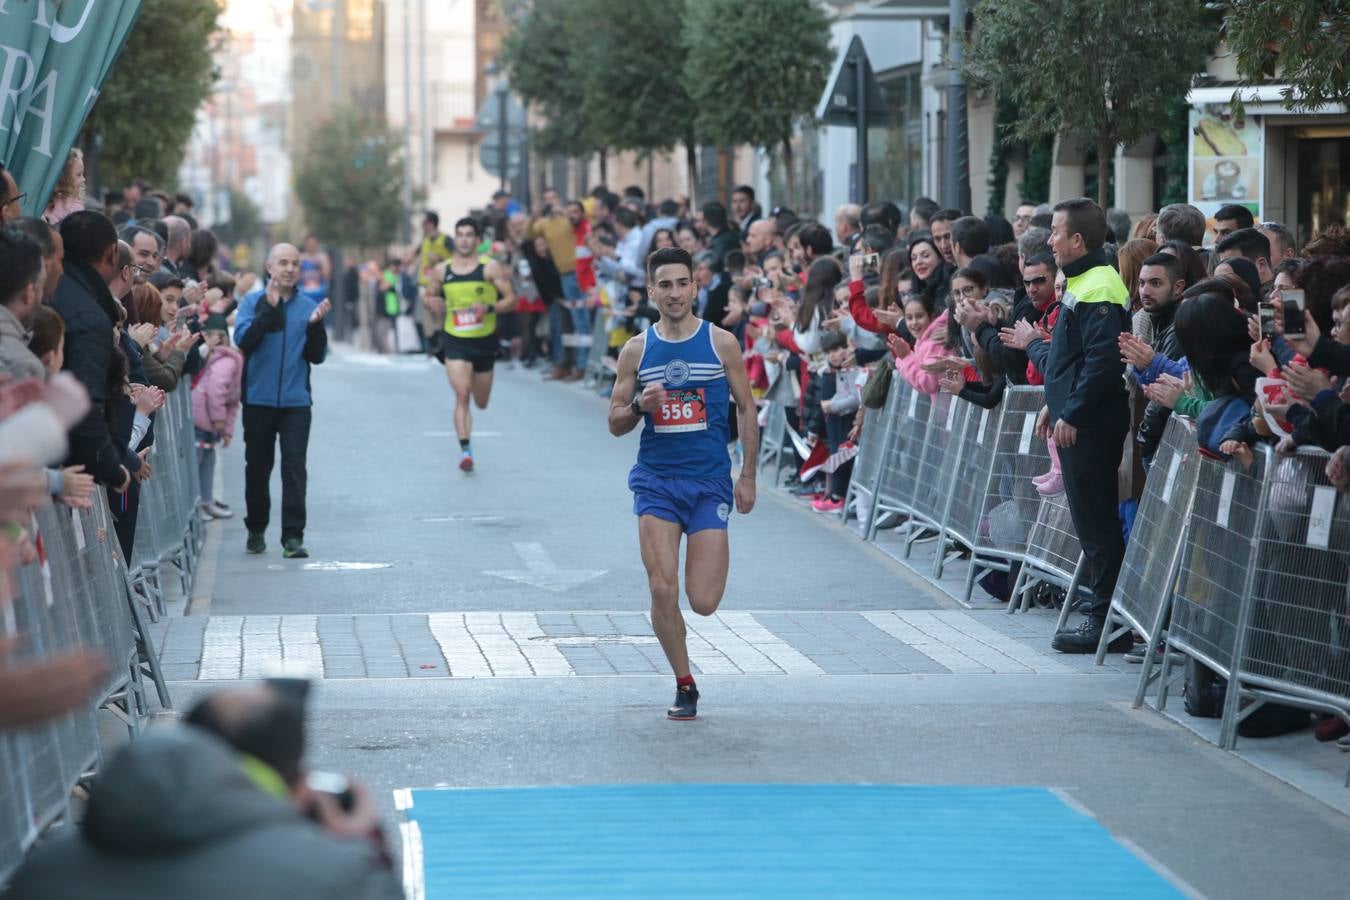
[(542, 572)]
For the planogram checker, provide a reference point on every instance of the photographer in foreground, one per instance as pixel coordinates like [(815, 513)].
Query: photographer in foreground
[(217, 810)]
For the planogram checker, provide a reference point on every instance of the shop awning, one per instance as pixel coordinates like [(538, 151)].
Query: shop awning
[(1259, 100), (897, 10)]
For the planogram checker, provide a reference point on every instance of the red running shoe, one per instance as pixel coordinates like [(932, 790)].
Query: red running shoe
[(466, 463)]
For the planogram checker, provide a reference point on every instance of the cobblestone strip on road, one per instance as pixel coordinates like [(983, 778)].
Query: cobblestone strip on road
[(545, 645)]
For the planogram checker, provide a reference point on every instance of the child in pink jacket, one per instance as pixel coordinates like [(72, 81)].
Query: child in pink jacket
[(215, 403), (931, 343)]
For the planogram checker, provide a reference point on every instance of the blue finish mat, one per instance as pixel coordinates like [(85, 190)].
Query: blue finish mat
[(749, 840)]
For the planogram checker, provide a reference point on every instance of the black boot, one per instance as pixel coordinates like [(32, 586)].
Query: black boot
[(1085, 637)]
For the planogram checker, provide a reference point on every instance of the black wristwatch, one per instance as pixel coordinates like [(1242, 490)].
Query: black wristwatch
[(636, 406)]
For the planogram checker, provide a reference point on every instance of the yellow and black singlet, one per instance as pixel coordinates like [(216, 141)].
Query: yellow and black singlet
[(469, 303)]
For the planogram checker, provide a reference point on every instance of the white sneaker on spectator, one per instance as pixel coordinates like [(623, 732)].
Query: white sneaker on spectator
[(215, 511)]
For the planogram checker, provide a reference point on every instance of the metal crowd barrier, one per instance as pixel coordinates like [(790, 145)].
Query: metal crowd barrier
[(1142, 600), (941, 442), (1052, 556), (1217, 571), (956, 468), (1294, 643), (897, 485), (76, 595), (873, 451), (597, 372), (774, 442), (81, 593), (1012, 506), (1244, 570), (975, 442), (169, 523)]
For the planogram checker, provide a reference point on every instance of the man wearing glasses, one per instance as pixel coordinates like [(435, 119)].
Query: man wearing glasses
[(1022, 221), (146, 251)]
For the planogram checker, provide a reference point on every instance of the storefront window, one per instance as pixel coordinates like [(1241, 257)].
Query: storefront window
[(805, 197), (1323, 186), (895, 151)]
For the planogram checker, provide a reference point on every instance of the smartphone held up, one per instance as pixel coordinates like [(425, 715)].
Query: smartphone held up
[(1292, 308)]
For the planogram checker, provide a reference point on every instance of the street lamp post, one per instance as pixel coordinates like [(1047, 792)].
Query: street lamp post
[(502, 129), (956, 180), (860, 136), (407, 122)]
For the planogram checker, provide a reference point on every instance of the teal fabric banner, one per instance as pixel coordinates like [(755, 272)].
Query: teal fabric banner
[(54, 57)]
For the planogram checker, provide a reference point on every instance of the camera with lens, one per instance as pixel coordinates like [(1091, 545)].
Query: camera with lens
[(295, 691)]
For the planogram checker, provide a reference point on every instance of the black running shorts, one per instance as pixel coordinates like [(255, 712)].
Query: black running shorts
[(482, 352)]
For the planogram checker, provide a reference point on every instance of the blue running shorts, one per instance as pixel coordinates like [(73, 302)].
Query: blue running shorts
[(695, 504)]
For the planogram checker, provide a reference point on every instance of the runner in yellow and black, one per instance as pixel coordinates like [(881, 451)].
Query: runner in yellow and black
[(469, 292), (431, 252)]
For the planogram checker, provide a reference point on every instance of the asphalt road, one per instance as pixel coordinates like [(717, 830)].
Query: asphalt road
[(403, 543)]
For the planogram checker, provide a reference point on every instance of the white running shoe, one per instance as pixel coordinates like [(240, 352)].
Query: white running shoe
[(215, 511)]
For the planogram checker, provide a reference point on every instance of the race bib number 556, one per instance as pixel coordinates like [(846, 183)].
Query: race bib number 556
[(682, 411), (469, 318)]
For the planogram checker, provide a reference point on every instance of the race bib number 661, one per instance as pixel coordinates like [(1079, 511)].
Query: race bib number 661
[(683, 411)]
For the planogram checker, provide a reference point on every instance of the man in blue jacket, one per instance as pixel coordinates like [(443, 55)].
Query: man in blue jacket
[(280, 332)]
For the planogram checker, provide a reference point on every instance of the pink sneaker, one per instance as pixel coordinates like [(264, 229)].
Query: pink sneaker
[(827, 504), (1038, 480), (1053, 484)]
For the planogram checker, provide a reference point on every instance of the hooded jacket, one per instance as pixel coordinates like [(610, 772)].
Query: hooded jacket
[(279, 346), (929, 347), (86, 305), (175, 815), (215, 391), (1084, 377)]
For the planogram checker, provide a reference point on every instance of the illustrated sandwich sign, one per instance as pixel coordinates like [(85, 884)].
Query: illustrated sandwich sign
[(1226, 162), (54, 57)]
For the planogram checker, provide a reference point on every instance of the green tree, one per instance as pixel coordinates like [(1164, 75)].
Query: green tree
[(627, 64), (754, 69), (541, 66), (1035, 183), (1114, 73), (148, 106), (1300, 42), (348, 180)]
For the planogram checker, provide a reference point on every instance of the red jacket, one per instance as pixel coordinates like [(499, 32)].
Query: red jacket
[(585, 264), (861, 312), (1047, 322)]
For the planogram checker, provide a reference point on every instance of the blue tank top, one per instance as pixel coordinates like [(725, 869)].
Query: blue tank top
[(686, 437), (312, 284)]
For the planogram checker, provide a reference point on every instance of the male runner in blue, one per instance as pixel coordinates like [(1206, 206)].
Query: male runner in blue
[(687, 369)]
